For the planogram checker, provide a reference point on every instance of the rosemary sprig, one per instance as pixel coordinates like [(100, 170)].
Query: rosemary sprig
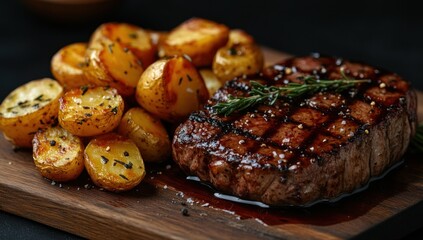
[(269, 94), (417, 141)]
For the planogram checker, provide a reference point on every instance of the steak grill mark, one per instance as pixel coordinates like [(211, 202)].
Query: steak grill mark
[(309, 121), (300, 150)]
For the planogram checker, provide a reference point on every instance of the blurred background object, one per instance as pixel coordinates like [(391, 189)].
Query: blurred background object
[(71, 11)]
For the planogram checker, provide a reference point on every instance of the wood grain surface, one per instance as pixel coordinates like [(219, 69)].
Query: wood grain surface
[(392, 206)]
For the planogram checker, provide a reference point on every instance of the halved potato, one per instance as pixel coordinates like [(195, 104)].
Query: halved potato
[(198, 38), (114, 162), (58, 154), (241, 56), (90, 111), (147, 132), (136, 39), (212, 82), (28, 108), (110, 64), (171, 89), (67, 64)]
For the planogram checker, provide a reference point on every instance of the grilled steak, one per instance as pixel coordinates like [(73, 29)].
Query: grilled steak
[(298, 151)]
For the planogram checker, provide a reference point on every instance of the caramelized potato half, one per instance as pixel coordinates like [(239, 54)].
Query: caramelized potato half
[(67, 64), (134, 38), (114, 162), (241, 56), (171, 89), (58, 154), (28, 108), (110, 64), (198, 38), (90, 111), (147, 132), (212, 82)]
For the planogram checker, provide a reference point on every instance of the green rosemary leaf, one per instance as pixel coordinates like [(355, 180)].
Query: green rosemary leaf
[(262, 94)]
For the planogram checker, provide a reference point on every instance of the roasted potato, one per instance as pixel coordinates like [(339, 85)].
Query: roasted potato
[(211, 81), (239, 36), (134, 38), (198, 38), (90, 111), (110, 64), (157, 38), (67, 64), (114, 162), (241, 56), (58, 154), (147, 132), (28, 108), (171, 89)]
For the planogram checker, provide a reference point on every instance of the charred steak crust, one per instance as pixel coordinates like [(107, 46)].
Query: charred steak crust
[(299, 151)]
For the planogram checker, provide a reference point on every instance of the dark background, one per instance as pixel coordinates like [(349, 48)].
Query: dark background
[(387, 34)]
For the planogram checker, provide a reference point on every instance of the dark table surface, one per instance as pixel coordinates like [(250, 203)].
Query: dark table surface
[(388, 34)]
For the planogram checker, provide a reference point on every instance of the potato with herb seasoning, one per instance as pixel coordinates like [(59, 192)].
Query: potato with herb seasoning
[(67, 64), (114, 162), (171, 89), (28, 108), (110, 64), (198, 38), (147, 132), (58, 154), (129, 36), (90, 111), (241, 56)]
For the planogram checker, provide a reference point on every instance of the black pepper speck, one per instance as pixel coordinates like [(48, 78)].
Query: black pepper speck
[(184, 212)]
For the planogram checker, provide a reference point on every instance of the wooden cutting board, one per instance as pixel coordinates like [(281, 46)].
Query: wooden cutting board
[(391, 207)]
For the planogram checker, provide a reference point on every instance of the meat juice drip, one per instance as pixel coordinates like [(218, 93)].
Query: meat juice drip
[(344, 208)]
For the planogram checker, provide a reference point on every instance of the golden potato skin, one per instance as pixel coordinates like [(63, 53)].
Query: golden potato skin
[(147, 132), (136, 39), (58, 154), (110, 64), (240, 56), (67, 65), (239, 36), (198, 38), (171, 89), (236, 60), (114, 162), (90, 111), (211, 80), (28, 108), (158, 38)]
